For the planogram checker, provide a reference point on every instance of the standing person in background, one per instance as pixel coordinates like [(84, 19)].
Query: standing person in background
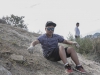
[(77, 31)]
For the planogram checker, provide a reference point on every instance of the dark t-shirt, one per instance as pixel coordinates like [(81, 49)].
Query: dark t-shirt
[(49, 44)]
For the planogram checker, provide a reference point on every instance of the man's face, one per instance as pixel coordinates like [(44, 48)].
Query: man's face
[(77, 25), (49, 30)]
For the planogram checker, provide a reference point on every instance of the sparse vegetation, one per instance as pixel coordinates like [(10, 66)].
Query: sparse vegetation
[(88, 46), (14, 21), (14, 41)]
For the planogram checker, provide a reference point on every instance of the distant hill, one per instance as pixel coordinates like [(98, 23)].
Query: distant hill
[(95, 35)]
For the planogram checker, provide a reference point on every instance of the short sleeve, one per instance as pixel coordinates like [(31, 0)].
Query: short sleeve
[(40, 39), (60, 39)]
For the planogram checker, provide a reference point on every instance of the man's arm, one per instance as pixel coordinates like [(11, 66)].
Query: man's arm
[(68, 42), (31, 48), (75, 30), (71, 43), (35, 42)]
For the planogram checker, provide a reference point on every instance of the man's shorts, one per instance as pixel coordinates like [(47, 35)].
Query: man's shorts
[(54, 54), (77, 36)]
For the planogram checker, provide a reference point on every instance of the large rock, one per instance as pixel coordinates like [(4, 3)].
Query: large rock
[(17, 57), (4, 71)]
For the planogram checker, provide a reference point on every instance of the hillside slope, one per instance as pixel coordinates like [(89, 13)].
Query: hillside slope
[(15, 58)]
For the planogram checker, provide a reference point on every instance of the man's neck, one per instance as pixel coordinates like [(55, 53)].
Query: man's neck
[(49, 36)]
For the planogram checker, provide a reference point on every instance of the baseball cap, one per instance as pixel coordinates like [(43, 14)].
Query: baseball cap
[(77, 23), (50, 23)]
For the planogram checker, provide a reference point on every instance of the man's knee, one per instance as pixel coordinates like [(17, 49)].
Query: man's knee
[(61, 47), (70, 49)]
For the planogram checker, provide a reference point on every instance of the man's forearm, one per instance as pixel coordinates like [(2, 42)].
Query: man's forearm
[(35, 43)]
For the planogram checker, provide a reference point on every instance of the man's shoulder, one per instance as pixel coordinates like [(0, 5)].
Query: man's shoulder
[(57, 35), (42, 36), (76, 28)]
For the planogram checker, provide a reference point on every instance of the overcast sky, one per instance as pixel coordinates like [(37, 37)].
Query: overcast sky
[(65, 13)]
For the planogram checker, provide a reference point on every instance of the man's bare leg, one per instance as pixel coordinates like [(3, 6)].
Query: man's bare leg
[(62, 54), (70, 51), (73, 54)]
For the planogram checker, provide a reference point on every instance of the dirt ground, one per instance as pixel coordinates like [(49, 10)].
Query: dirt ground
[(16, 41)]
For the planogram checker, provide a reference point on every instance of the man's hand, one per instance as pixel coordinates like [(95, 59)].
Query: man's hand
[(76, 44), (30, 49)]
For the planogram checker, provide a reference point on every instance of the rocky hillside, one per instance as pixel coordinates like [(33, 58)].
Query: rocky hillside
[(15, 59)]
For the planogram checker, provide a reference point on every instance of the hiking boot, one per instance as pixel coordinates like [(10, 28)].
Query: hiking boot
[(80, 69), (68, 69)]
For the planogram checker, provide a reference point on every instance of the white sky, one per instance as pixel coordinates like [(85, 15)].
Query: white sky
[(65, 13)]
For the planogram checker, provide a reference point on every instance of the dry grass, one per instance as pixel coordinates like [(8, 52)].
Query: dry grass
[(15, 41)]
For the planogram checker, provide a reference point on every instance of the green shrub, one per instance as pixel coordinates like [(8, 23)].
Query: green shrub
[(86, 45), (96, 46)]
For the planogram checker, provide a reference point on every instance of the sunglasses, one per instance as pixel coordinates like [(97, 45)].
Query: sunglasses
[(52, 29)]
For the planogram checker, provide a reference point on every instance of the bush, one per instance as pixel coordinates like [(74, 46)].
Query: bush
[(96, 46), (3, 21), (15, 21), (86, 45)]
